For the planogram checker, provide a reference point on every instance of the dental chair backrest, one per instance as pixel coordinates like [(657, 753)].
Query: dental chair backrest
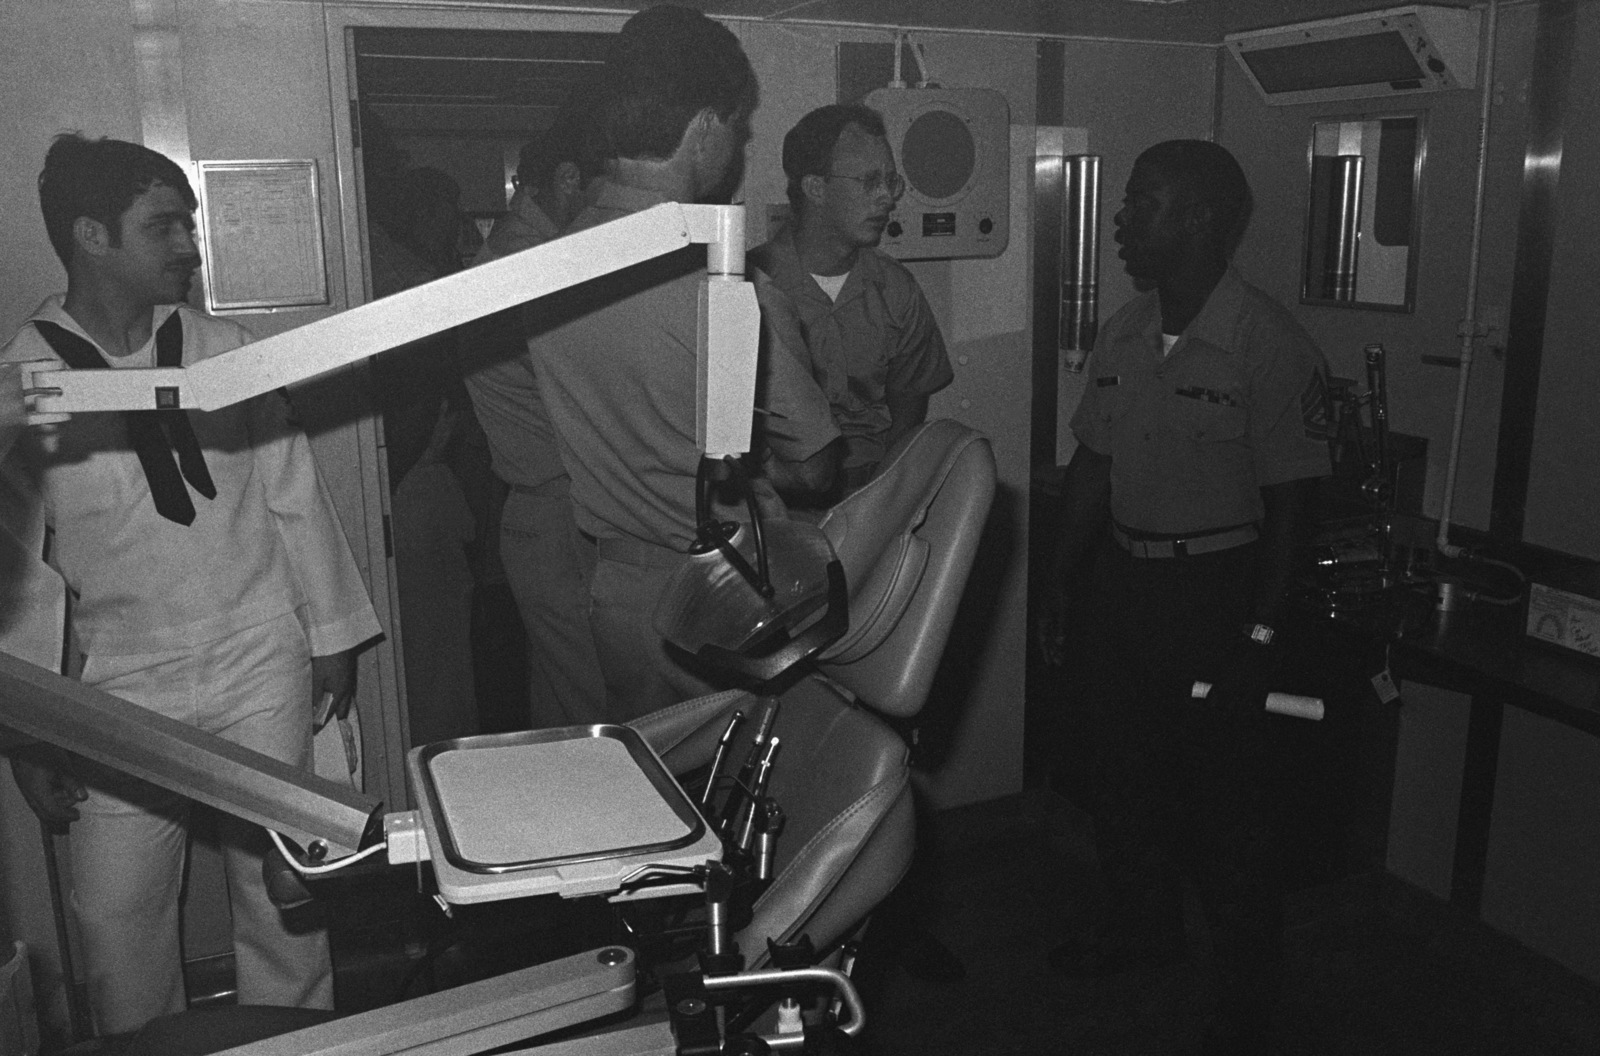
[(907, 541)]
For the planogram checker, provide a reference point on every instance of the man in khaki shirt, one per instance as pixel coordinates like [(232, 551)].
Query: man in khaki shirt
[(546, 562), (859, 319)]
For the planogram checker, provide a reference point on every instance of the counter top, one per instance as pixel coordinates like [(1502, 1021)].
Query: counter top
[(1482, 649)]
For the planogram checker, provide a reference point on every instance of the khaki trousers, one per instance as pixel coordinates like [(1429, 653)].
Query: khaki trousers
[(548, 564)]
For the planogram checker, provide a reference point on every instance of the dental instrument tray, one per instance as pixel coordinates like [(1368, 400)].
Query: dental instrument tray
[(573, 811)]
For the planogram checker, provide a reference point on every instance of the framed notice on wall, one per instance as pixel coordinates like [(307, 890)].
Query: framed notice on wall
[(262, 224)]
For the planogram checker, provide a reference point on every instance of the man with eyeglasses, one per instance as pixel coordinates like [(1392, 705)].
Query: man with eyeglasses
[(864, 326), (860, 323)]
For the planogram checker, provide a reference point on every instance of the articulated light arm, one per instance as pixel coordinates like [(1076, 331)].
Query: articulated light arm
[(729, 327)]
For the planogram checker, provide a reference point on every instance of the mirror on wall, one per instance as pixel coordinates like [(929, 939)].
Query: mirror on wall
[(1361, 220)]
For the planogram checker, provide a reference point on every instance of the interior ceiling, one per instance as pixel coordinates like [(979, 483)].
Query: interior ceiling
[(448, 81), (438, 82), (1195, 20)]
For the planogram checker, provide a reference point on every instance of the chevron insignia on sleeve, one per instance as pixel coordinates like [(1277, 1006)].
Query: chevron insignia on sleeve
[(1314, 408)]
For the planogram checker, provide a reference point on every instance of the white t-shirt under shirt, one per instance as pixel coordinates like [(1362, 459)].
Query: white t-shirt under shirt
[(831, 284)]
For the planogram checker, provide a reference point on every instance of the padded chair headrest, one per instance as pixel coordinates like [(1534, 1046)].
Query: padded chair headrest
[(907, 541)]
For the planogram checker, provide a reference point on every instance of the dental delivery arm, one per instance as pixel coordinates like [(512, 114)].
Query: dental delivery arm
[(729, 331)]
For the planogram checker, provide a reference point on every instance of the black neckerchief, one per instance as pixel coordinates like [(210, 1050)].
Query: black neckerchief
[(153, 435)]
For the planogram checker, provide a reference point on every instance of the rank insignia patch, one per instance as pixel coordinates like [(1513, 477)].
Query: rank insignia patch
[(1314, 409)]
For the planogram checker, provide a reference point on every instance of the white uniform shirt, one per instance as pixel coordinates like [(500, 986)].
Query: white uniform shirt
[(267, 545)]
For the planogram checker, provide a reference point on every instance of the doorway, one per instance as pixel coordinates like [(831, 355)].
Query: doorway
[(439, 118)]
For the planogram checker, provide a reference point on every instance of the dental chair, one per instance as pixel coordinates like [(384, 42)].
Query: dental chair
[(906, 542)]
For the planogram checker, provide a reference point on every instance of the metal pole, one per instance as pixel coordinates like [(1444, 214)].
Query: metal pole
[(1344, 228), (1080, 259), (77, 997)]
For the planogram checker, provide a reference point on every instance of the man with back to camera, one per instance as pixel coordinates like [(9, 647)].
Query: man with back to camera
[(615, 362), (547, 563), (1201, 436), (211, 583), (865, 328)]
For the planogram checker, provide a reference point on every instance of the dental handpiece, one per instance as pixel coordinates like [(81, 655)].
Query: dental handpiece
[(743, 785), (722, 753), (758, 792), (771, 824)]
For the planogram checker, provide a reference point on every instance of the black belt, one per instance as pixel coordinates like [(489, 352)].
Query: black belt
[(639, 552), (1187, 546), (561, 485)]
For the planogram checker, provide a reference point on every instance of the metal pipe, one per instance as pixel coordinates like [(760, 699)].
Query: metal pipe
[(1344, 229), (78, 1013), (1080, 259), (1469, 325), (789, 976)]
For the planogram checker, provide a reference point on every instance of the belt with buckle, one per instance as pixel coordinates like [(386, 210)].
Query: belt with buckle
[(1189, 546), (638, 552), (556, 486)]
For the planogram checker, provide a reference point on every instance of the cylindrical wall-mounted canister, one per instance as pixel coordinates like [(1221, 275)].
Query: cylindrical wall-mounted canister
[(1080, 258)]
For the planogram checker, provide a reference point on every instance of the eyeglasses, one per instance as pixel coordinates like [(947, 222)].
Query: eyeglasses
[(873, 182)]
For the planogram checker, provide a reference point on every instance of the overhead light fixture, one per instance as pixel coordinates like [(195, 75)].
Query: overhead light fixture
[(1398, 51)]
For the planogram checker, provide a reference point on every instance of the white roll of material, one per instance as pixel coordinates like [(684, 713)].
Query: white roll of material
[(1278, 703), (1298, 707)]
